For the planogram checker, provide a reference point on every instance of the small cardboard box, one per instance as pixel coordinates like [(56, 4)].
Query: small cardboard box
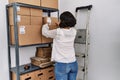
[(37, 60), (36, 12), (31, 2), (50, 3), (27, 34), (43, 52), (52, 26), (36, 20), (20, 11), (21, 20)]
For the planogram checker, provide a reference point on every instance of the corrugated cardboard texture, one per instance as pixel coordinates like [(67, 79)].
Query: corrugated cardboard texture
[(43, 52), (20, 10), (36, 12), (32, 2), (50, 3), (36, 20), (27, 34), (22, 20)]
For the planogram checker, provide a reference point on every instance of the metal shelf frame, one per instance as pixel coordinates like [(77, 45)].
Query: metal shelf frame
[(14, 5)]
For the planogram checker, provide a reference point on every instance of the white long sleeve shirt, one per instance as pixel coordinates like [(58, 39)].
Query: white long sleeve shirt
[(63, 43)]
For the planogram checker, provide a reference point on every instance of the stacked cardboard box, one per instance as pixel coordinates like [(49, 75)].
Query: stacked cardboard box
[(53, 25), (29, 23), (42, 74), (43, 3), (31, 2), (43, 52), (42, 57), (50, 3)]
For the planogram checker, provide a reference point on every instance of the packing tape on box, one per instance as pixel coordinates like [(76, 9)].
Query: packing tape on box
[(49, 20)]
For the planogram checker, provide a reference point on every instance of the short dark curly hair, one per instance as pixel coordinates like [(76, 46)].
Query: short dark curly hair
[(67, 20)]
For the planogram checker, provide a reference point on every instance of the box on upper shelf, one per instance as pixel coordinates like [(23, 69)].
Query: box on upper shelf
[(49, 3), (26, 16), (31, 2), (27, 34), (52, 26)]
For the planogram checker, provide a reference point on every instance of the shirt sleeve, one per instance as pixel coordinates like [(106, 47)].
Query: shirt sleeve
[(48, 33)]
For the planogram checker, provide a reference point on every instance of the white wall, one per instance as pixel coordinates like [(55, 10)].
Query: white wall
[(3, 42), (104, 32)]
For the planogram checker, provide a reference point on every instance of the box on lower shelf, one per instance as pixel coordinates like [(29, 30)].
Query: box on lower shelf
[(34, 73)]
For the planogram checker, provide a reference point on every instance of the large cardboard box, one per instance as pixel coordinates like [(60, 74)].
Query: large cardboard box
[(50, 3), (27, 34), (23, 16), (20, 11), (31, 2), (36, 12), (43, 52), (52, 26), (36, 20), (21, 20)]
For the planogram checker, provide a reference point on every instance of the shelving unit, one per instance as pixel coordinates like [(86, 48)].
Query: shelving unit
[(19, 69)]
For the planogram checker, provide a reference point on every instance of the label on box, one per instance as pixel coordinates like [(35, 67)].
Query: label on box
[(22, 29), (18, 18), (18, 8), (49, 20)]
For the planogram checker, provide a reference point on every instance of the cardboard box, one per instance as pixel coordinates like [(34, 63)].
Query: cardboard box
[(43, 52), (27, 34), (36, 12), (50, 3), (27, 76), (50, 73), (31, 2), (36, 20), (48, 40), (20, 11), (21, 20), (52, 26), (40, 74), (37, 60), (54, 20)]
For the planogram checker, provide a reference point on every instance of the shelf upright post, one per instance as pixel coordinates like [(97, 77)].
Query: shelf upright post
[(8, 41), (58, 14), (16, 40), (49, 13)]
